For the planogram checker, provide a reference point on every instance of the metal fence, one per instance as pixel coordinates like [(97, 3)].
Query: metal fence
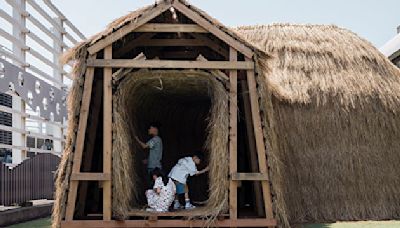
[(30, 180)]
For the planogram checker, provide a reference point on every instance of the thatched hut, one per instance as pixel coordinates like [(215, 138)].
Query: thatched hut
[(312, 111)]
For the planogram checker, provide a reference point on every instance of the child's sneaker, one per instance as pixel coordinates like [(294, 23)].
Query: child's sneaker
[(188, 205), (177, 205)]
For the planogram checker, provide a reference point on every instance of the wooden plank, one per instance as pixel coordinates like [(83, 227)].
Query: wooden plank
[(262, 157), (91, 176), (182, 64), (80, 139), (118, 34), (254, 222), (171, 43), (212, 29), (90, 142), (163, 27), (217, 73), (212, 44), (116, 76), (252, 147), (132, 44), (233, 185), (107, 134), (179, 213), (249, 176)]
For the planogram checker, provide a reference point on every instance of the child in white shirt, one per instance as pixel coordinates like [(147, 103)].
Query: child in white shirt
[(180, 172)]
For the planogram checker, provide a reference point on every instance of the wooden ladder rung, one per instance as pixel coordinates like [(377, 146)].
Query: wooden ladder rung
[(249, 177), (91, 176)]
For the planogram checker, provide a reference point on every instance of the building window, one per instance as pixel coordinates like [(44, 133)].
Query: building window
[(6, 100), (5, 155)]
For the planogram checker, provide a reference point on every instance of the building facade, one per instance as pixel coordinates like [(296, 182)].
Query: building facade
[(33, 84), (392, 48)]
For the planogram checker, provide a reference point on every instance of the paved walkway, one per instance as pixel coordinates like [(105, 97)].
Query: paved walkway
[(34, 202)]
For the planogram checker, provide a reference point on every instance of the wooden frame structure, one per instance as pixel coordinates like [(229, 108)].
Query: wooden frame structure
[(227, 69)]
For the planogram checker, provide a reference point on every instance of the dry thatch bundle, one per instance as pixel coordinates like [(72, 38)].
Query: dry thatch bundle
[(177, 99), (330, 109)]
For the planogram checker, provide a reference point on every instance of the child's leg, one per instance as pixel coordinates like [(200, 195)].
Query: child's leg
[(179, 196), (186, 193), (188, 205)]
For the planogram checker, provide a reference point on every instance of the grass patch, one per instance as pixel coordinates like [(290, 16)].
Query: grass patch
[(39, 223)]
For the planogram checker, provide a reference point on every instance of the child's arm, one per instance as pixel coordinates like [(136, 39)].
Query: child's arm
[(142, 144), (206, 169)]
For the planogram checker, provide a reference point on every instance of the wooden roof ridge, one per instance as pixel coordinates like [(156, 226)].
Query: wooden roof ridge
[(121, 27)]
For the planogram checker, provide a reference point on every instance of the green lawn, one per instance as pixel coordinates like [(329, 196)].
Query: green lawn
[(45, 223), (39, 223)]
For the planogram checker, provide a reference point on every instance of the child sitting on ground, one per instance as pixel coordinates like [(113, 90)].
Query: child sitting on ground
[(180, 172), (162, 195)]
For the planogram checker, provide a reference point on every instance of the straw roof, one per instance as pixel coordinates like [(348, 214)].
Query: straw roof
[(331, 105), (136, 15), (321, 61)]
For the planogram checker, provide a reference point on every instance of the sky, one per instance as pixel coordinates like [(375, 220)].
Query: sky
[(374, 20)]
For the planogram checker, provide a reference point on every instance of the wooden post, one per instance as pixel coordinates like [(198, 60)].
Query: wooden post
[(233, 135), (262, 157), (107, 134), (252, 147), (90, 141), (80, 139)]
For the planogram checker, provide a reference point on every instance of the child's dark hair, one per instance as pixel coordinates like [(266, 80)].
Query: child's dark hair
[(199, 154), (159, 173), (155, 124)]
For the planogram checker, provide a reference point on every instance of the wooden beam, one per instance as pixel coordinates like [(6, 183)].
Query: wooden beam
[(91, 133), (146, 41), (180, 213), (80, 139), (252, 147), (132, 44), (181, 64), (262, 156), (194, 16), (254, 222), (249, 176), (123, 31), (171, 43), (121, 72), (212, 44), (107, 135), (162, 27), (179, 55), (91, 177), (217, 73), (233, 185)]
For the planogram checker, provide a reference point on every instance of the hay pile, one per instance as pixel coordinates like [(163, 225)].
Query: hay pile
[(65, 167), (146, 95), (332, 105)]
